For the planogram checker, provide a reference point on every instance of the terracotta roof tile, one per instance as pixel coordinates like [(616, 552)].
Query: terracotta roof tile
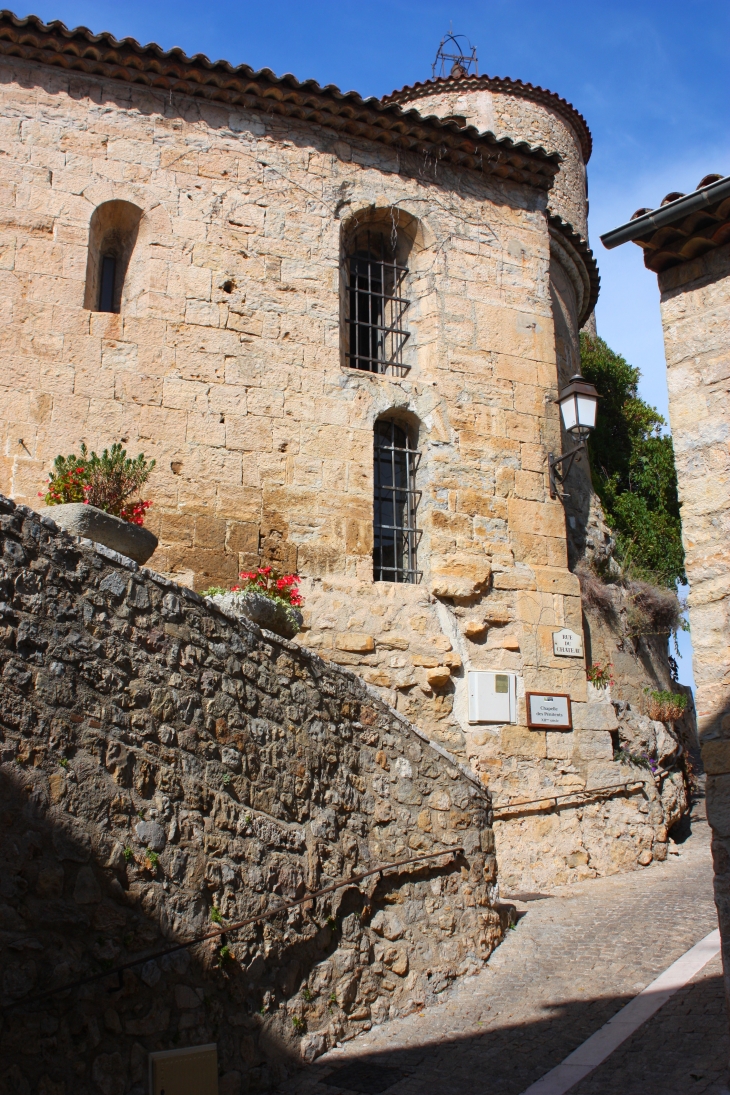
[(507, 86), (347, 113)]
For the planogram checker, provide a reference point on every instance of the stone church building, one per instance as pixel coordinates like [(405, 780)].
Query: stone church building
[(339, 326)]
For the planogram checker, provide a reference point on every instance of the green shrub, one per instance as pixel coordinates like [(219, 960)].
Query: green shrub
[(111, 482), (633, 470)]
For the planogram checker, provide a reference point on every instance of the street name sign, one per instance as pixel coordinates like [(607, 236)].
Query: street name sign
[(567, 644)]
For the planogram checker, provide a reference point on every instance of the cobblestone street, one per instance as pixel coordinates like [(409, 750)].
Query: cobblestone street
[(576, 957)]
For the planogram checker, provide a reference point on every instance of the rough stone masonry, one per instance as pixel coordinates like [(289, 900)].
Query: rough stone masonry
[(165, 766), (234, 200)]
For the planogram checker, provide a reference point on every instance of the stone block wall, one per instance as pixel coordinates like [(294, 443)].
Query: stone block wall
[(225, 364), (160, 761), (695, 305), (696, 322), (523, 113)]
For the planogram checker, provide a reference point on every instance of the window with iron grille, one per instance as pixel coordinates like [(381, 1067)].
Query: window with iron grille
[(395, 540), (376, 306)]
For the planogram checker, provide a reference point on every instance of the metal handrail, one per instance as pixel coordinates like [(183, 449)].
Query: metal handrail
[(224, 930), (570, 794)]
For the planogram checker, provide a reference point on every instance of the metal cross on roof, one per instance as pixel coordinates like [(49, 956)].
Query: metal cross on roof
[(460, 58)]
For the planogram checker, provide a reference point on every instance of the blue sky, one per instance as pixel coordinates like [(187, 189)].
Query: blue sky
[(651, 78)]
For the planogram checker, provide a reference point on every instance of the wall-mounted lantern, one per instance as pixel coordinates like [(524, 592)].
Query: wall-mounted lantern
[(578, 402)]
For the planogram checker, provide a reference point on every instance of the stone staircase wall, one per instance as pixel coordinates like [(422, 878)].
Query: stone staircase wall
[(160, 761)]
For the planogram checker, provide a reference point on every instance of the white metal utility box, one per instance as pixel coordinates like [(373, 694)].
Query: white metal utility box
[(492, 696)]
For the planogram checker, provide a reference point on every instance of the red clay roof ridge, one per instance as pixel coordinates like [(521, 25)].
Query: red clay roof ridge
[(103, 54), (506, 83)]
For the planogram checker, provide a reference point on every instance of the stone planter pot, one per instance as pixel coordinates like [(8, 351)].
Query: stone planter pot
[(82, 520), (262, 610)]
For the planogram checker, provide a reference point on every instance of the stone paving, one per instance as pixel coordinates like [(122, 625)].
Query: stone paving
[(574, 959)]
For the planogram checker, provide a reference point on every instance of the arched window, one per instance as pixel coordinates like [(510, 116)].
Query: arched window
[(112, 236), (395, 499), (375, 284)]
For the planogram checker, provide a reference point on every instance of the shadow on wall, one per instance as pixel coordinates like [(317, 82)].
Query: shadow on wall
[(161, 761), (670, 1053), (67, 915), (223, 119)]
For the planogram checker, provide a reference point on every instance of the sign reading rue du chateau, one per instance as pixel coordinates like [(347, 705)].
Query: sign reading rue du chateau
[(567, 644)]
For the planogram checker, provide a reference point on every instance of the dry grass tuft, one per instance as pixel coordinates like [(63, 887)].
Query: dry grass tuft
[(596, 593), (652, 610)]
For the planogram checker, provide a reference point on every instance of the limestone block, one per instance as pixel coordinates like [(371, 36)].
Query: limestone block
[(355, 642), (378, 677), (533, 457), (536, 608), (459, 574), (519, 741), (390, 640), (536, 518), (496, 614), (530, 485), (594, 716), (716, 756), (439, 676), (519, 577), (592, 745), (474, 629), (557, 580), (559, 744)]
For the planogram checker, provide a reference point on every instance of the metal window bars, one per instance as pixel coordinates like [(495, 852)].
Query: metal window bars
[(376, 307), (395, 536)]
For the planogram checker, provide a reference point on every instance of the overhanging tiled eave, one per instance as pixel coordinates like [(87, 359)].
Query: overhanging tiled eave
[(346, 113), (686, 239), (680, 230)]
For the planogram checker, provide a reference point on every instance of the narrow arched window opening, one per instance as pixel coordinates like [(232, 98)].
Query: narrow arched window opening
[(376, 303), (112, 236), (107, 281), (395, 500)]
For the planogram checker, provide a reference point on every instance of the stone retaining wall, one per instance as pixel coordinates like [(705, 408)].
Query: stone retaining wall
[(161, 761)]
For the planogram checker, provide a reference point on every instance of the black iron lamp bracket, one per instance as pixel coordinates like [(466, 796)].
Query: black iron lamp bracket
[(560, 476)]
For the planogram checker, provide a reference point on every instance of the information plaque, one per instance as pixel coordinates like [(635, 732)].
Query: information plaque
[(567, 644), (551, 712)]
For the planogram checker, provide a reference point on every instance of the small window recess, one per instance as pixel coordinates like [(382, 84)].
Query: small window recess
[(375, 285), (113, 231), (395, 501)]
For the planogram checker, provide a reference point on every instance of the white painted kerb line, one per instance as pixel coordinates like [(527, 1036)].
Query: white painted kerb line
[(601, 1045)]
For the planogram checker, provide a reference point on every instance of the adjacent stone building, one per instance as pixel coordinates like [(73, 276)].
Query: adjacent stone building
[(339, 326), (686, 242)]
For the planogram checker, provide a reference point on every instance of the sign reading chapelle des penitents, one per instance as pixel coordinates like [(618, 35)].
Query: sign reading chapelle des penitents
[(551, 712), (567, 644)]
